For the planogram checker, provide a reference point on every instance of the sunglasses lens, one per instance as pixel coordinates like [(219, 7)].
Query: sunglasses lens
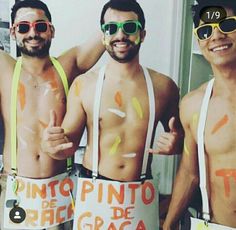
[(23, 28), (228, 25), (41, 27), (130, 27), (110, 28), (204, 32)]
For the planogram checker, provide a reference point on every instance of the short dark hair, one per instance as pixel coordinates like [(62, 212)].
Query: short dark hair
[(196, 9), (124, 5), (36, 4)]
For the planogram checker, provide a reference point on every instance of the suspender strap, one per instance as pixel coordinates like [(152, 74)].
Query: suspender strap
[(16, 77), (201, 150), (61, 73), (150, 122), (96, 109), (63, 77), (15, 81)]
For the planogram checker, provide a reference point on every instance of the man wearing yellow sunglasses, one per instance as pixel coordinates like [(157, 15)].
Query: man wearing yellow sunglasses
[(209, 157)]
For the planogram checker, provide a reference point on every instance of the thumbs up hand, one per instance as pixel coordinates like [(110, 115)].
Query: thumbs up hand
[(54, 139), (168, 142)]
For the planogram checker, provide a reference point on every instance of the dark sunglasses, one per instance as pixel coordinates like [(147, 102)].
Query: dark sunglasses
[(128, 27), (225, 26), (40, 27)]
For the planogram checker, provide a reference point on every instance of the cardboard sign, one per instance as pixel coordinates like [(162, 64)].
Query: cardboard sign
[(198, 224), (111, 205), (47, 202)]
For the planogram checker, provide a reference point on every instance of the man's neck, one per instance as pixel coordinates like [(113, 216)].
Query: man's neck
[(225, 79), (126, 70), (35, 65)]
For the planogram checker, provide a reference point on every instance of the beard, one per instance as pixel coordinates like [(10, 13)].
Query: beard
[(128, 56), (41, 51)]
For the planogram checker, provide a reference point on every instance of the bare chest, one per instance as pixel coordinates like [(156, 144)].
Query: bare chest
[(220, 129), (123, 105), (36, 96)]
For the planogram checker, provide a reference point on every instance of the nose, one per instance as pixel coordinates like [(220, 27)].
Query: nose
[(32, 31), (121, 34), (217, 34)]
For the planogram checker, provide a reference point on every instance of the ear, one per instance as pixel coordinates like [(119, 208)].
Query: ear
[(103, 40), (12, 33), (142, 35), (52, 28)]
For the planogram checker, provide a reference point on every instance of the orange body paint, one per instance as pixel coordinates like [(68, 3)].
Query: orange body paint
[(21, 92), (220, 124), (52, 81), (118, 99), (226, 174)]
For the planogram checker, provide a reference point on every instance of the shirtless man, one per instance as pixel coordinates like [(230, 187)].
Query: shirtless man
[(124, 104), (40, 89), (219, 49)]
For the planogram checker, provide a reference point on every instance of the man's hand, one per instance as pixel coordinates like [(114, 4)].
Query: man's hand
[(54, 139), (168, 142)]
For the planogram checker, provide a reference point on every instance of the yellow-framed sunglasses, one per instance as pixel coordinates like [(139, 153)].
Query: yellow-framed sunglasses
[(225, 26)]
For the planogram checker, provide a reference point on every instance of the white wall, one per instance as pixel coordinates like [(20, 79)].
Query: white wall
[(76, 20)]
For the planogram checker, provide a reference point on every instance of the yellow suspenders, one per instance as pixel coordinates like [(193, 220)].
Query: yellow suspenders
[(14, 89)]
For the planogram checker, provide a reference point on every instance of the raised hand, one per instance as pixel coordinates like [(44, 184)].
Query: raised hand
[(54, 139), (168, 142)]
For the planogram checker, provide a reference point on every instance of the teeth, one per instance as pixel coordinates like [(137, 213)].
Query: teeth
[(121, 45), (220, 48)]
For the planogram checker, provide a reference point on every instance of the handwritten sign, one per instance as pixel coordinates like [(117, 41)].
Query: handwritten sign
[(111, 205), (47, 202)]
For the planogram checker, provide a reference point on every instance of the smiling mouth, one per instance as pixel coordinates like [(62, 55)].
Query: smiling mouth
[(121, 44), (221, 48)]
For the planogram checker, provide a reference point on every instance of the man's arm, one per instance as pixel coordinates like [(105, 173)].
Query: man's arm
[(81, 58), (62, 142), (187, 179)]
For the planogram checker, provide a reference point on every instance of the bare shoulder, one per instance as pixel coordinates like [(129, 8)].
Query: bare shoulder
[(191, 103), (6, 60), (7, 64), (86, 81), (163, 84)]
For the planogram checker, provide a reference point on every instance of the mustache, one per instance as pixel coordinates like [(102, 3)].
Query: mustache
[(122, 40), (37, 38)]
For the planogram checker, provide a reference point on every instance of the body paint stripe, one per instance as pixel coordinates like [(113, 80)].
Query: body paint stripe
[(118, 99), (43, 124), (21, 92), (117, 112), (186, 149), (137, 107), (129, 155), (114, 147), (77, 88), (220, 124), (195, 119)]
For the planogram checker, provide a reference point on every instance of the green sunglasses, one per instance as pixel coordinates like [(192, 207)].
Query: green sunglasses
[(128, 27)]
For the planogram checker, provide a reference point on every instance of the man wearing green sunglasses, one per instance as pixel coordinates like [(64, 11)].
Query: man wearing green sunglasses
[(209, 158), (39, 89), (124, 115)]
